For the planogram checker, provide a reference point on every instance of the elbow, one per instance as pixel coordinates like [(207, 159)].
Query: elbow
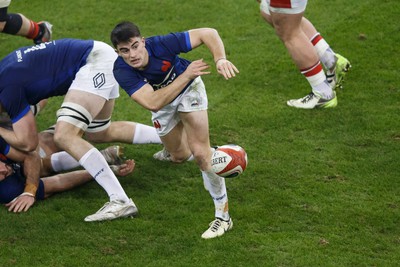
[(29, 147), (154, 107)]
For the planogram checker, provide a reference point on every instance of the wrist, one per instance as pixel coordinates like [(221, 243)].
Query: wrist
[(221, 58), (27, 194), (30, 190)]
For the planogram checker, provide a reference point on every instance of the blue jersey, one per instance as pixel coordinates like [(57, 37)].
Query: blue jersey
[(34, 73), (14, 185), (163, 67)]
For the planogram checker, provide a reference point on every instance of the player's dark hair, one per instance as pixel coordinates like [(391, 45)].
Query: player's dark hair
[(123, 32)]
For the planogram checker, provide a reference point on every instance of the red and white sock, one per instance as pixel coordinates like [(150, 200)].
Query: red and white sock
[(325, 53), (315, 75)]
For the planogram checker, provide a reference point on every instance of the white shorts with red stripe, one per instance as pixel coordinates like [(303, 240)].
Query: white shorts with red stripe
[(283, 6)]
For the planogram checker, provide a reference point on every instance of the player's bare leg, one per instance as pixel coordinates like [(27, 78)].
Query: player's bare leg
[(68, 136), (176, 145), (197, 130)]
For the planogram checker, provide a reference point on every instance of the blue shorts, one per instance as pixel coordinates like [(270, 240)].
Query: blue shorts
[(13, 186)]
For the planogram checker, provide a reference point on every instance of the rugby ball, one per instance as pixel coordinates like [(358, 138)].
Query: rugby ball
[(229, 161)]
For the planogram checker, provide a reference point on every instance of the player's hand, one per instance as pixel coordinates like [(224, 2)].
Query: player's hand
[(21, 203), (196, 68), (226, 68), (124, 169)]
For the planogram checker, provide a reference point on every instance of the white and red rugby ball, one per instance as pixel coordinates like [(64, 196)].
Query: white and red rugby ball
[(229, 161)]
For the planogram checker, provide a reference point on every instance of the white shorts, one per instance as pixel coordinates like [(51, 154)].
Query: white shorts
[(283, 6), (193, 99), (4, 3), (96, 76)]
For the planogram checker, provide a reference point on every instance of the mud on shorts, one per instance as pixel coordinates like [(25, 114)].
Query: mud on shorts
[(193, 99)]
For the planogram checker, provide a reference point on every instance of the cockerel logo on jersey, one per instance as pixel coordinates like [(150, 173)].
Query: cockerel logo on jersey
[(169, 78), (165, 66)]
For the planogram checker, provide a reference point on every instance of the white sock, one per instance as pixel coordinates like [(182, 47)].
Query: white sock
[(145, 134), (97, 166), (328, 59), (217, 189), (317, 79), (323, 89), (325, 53), (62, 161)]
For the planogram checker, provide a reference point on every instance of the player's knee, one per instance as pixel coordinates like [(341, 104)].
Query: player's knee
[(60, 139), (76, 117), (98, 131), (202, 159), (180, 157)]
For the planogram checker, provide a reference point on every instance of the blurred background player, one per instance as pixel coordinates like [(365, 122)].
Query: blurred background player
[(18, 24), (307, 49)]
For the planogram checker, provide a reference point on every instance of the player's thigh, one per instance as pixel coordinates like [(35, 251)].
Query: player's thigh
[(286, 25), (92, 103), (175, 141), (197, 129), (287, 6), (106, 111)]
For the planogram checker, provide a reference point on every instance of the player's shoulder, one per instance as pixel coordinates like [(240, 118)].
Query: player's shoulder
[(71, 42), (120, 64)]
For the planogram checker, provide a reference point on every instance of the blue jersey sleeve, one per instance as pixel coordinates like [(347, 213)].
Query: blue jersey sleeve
[(175, 43), (127, 77), (15, 103), (4, 148)]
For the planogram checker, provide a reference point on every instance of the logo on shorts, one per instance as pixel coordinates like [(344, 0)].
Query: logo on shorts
[(157, 124), (99, 80)]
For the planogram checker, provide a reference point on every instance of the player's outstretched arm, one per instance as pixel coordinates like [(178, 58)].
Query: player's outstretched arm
[(214, 43)]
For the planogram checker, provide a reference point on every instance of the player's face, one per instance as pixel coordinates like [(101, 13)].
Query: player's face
[(5, 170), (134, 52)]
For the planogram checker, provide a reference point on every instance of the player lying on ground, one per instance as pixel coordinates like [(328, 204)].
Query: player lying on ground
[(18, 187)]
